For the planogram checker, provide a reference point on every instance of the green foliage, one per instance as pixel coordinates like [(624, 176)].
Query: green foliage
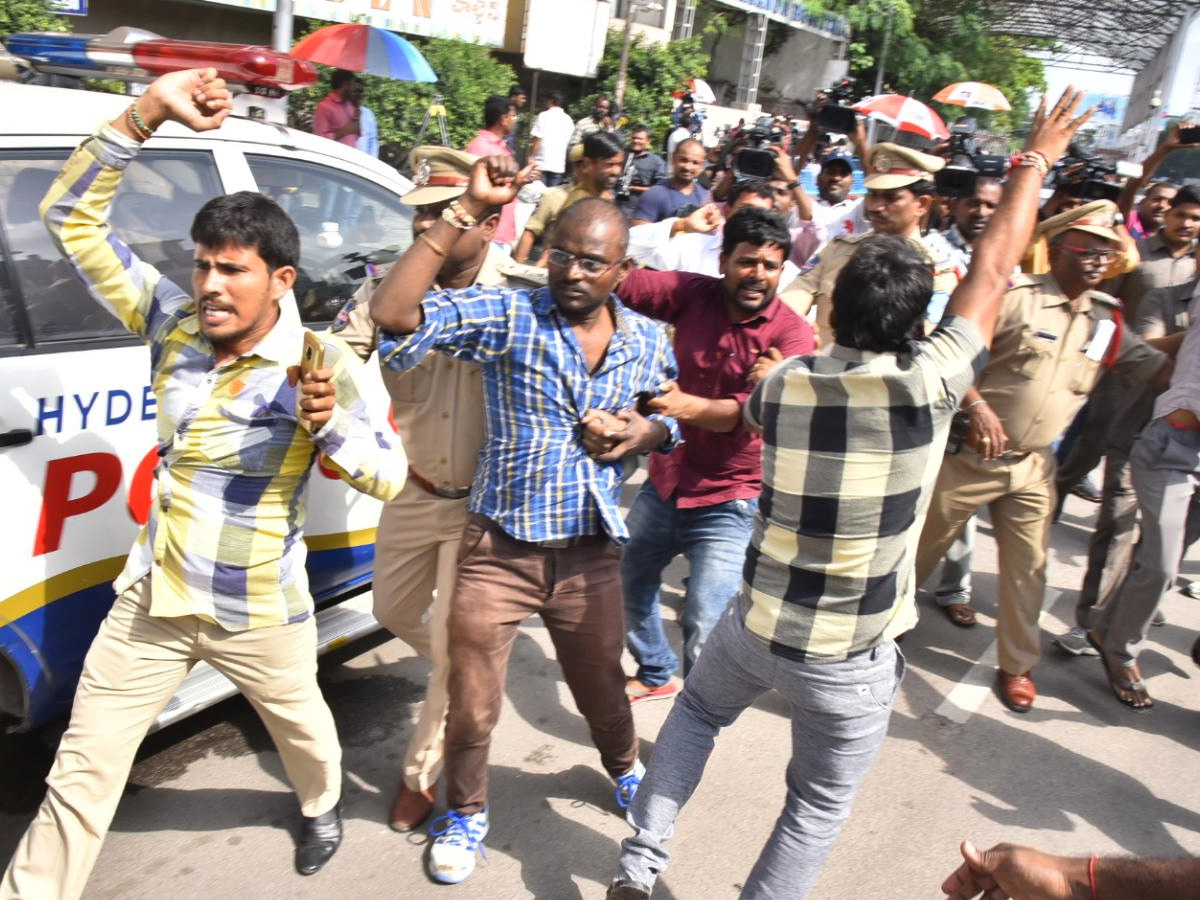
[(29, 15), (468, 74), (654, 72), (934, 43)]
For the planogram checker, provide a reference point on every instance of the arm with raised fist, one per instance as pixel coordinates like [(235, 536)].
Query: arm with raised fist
[(396, 304), (76, 208)]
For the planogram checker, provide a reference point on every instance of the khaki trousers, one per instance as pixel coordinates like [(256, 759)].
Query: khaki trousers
[(1020, 495), (577, 592), (134, 667), (416, 551)]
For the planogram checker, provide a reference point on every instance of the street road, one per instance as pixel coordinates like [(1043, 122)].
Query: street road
[(208, 813)]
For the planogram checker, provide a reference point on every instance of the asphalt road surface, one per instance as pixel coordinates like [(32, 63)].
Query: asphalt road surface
[(207, 812)]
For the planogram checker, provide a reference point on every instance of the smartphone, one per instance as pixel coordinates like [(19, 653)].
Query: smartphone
[(1190, 135), (312, 357)]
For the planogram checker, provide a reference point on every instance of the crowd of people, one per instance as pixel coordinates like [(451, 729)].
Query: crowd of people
[(827, 389)]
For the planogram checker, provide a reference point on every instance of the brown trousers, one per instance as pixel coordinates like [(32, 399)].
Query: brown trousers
[(577, 592)]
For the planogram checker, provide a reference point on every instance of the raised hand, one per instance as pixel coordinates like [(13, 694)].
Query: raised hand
[(196, 98), (704, 220), (495, 181), (1052, 131)]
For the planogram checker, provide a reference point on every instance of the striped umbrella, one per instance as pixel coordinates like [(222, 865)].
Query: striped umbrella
[(364, 48), (973, 93), (904, 114)]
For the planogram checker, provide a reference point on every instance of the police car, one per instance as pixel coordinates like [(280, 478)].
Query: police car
[(77, 439)]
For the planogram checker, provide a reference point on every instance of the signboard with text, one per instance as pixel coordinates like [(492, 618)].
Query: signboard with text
[(566, 36), (476, 21), (70, 7)]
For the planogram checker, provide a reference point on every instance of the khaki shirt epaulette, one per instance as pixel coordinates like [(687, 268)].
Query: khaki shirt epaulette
[(816, 284), (1106, 299), (1047, 355), (437, 405)]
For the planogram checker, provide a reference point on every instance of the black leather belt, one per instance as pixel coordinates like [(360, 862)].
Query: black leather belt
[(430, 488), (582, 540)]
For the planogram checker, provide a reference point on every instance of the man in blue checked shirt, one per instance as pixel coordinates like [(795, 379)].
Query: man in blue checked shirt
[(564, 368)]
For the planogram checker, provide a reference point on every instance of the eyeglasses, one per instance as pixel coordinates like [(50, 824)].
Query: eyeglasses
[(590, 267), (1098, 256)]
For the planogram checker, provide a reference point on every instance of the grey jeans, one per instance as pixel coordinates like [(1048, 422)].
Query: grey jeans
[(840, 715), (954, 582), (1165, 464)]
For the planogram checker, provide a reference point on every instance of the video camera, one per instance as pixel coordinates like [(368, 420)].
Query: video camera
[(1086, 177), (751, 160), (834, 116), (967, 163)]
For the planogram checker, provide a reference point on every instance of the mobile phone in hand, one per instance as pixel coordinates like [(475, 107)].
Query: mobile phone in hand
[(312, 357), (1190, 135)]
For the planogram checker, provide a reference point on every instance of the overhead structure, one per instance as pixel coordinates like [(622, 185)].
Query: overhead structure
[(1099, 35)]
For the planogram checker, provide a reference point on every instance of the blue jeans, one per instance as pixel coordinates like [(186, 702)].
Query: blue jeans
[(840, 715), (713, 539)]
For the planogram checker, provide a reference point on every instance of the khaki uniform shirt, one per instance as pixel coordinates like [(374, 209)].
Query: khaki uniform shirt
[(438, 404), (1047, 355), (552, 205), (816, 285)]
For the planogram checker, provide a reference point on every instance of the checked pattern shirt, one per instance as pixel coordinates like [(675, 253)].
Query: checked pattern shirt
[(535, 480), (224, 537), (852, 443)]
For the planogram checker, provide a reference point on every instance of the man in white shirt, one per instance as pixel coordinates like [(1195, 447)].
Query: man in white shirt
[(835, 211), (551, 133)]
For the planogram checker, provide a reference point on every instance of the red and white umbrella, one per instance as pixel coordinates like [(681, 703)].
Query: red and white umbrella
[(904, 114), (699, 89), (973, 93)]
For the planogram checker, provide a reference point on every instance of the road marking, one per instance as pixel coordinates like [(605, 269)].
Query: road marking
[(968, 695)]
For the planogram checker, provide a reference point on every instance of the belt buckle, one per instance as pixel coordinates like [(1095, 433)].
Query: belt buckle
[(556, 544)]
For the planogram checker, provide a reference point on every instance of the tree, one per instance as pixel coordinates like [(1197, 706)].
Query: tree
[(29, 15), (934, 43), (655, 71), (468, 74)]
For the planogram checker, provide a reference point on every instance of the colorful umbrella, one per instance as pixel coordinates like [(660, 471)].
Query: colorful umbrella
[(905, 114), (699, 89), (363, 48), (973, 93)]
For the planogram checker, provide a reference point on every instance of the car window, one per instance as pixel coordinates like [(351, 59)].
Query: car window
[(344, 221), (153, 211)]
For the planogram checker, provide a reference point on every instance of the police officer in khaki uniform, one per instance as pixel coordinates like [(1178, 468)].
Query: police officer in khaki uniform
[(1055, 337), (900, 191), (438, 410)]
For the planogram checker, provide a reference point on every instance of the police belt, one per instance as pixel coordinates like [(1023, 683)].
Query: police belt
[(430, 488)]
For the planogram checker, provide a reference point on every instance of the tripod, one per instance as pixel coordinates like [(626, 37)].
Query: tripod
[(436, 108)]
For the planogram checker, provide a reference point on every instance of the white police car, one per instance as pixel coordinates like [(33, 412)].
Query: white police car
[(77, 441)]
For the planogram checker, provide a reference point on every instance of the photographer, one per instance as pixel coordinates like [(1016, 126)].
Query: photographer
[(1153, 208), (643, 170), (680, 194)]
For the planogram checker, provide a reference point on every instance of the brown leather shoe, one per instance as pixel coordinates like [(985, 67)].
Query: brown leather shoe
[(1017, 692), (412, 808)]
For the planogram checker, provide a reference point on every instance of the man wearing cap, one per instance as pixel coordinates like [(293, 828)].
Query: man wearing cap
[(1166, 260), (438, 409), (596, 175), (1055, 336), (900, 191), (835, 211)]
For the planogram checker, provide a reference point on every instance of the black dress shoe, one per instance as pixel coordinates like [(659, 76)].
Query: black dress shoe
[(320, 837), (1085, 490)]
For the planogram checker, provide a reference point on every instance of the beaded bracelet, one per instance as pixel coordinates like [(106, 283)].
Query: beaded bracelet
[(457, 216), (1033, 159), (137, 123)]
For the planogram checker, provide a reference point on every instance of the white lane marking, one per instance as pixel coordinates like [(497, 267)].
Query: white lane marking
[(968, 695)]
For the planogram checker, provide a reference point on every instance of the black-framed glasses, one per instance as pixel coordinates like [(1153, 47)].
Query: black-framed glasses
[(590, 267), (1098, 255)]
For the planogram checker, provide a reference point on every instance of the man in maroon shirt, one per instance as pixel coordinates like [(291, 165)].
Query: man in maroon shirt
[(700, 500), (336, 116)]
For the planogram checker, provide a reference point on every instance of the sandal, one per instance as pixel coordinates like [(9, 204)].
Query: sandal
[(1135, 695), (961, 614)]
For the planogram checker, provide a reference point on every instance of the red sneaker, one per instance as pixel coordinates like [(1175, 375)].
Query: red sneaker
[(638, 692)]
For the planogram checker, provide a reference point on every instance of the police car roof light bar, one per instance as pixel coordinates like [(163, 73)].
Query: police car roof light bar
[(135, 55)]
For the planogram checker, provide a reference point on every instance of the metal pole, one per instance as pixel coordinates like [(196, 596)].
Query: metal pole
[(281, 30), (883, 53), (619, 98)]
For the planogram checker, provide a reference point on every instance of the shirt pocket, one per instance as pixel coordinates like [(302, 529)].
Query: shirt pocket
[(1032, 354), (253, 441), (415, 385), (1086, 374)]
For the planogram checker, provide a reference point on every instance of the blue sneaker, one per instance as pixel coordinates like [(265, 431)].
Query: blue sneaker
[(627, 784), (456, 837)]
